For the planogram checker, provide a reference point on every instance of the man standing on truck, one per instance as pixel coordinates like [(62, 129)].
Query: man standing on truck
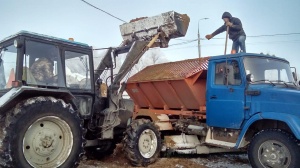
[(236, 32)]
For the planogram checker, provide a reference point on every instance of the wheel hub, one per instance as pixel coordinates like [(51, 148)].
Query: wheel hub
[(275, 154), (147, 143), (47, 142)]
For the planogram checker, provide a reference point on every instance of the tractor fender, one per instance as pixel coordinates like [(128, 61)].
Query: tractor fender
[(291, 120), (16, 95)]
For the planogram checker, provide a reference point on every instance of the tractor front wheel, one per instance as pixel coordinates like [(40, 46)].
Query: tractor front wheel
[(142, 142)]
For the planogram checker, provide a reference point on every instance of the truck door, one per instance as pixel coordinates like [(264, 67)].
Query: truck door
[(225, 95)]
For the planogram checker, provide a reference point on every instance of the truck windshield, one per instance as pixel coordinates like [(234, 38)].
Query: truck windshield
[(268, 70), (8, 59)]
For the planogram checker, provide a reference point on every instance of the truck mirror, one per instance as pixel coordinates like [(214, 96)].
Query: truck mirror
[(294, 73), (249, 78), (294, 76)]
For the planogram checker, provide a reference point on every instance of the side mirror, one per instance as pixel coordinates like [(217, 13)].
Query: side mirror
[(294, 73), (294, 76), (249, 78)]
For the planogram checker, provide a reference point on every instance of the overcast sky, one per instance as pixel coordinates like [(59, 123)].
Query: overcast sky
[(73, 18)]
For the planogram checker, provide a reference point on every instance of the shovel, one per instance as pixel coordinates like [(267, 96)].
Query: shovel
[(226, 40)]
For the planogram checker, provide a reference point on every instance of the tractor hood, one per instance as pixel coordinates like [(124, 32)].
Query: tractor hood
[(278, 98)]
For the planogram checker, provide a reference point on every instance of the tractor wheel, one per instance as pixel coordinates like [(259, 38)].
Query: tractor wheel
[(97, 152), (274, 148), (142, 142), (42, 132)]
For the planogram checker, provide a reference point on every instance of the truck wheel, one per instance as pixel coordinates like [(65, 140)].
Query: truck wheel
[(142, 142), (274, 148), (42, 132)]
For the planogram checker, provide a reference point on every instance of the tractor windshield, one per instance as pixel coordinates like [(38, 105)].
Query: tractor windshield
[(268, 70), (8, 59), (42, 65)]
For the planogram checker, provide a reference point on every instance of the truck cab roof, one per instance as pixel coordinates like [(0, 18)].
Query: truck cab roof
[(238, 55)]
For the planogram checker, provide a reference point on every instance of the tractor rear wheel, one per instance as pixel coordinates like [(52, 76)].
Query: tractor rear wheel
[(142, 142), (42, 132)]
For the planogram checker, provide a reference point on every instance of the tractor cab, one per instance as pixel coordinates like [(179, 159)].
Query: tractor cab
[(30, 59), (47, 65)]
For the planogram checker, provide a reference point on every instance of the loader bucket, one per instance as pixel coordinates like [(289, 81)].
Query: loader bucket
[(171, 24)]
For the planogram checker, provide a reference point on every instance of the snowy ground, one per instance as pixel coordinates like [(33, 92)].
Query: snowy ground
[(224, 161), (116, 160)]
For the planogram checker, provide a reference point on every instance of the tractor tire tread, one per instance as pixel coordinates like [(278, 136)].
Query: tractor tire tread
[(10, 119), (130, 143)]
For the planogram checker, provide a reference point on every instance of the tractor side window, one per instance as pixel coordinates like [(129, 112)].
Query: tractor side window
[(77, 70), (8, 59), (42, 64)]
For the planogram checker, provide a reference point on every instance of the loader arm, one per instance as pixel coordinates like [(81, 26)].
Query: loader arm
[(136, 51), (138, 37)]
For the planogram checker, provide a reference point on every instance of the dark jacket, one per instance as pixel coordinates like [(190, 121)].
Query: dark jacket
[(235, 31)]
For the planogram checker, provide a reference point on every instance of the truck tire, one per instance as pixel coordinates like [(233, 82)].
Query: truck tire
[(42, 132), (97, 152), (142, 142), (274, 148)]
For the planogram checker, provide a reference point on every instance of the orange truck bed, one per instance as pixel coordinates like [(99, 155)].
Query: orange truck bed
[(174, 86)]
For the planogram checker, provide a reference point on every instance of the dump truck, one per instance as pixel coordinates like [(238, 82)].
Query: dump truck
[(56, 103), (229, 103)]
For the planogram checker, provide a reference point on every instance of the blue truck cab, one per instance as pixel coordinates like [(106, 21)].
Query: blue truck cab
[(256, 98)]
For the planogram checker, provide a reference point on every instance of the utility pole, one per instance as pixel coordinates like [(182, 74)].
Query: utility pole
[(199, 46)]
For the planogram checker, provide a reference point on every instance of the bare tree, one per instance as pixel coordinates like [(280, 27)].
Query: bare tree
[(154, 57), (151, 57)]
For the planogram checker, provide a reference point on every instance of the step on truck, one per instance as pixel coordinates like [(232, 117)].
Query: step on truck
[(228, 103), (57, 102)]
